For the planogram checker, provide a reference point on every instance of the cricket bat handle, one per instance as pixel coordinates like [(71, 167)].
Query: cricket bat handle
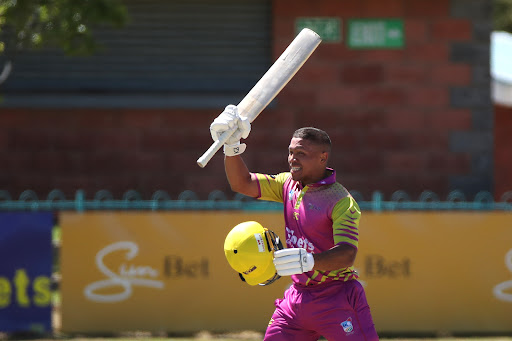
[(271, 83), (214, 148)]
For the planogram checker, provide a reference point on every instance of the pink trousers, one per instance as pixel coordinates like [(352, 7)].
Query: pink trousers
[(336, 310)]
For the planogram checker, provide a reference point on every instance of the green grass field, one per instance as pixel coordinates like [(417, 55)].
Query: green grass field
[(243, 336), (255, 338)]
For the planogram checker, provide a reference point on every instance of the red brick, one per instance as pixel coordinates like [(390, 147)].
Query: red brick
[(107, 162), (187, 119), (15, 118), (297, 8), (384, 96), (502, 148), (343, 9), (362, 119), (117, 185), (344, 139), (144, 119), (319, 117), (431, 52), (404, 119), (449, 119), (39, 118), (30, 180), (116, 140), (366, 119), (70, 183), (361, 183), (417, 183), (369, 162), (452, 29), (161, 140), (407, 74), (14, 162), (58, 162), (382, 55), (99, 118), (382, 140), (362, 74), (274, 118), (428, 97), (426, 8), (428, 140), (296, 97), (448, 163), (283, 28), (379, 8), (148, 162), (280, 137), (74, 140), (336, 54), (272, 162), (4, 140), (205, 183), (336, 96), (416, 31), (27, 139), (314, 74), (451, 74), (405, 162)]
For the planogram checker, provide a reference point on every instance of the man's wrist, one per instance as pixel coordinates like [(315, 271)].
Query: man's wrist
[(234, 149)]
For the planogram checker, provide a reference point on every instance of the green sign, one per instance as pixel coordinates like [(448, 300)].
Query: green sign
[(375, 33), (329, 29)]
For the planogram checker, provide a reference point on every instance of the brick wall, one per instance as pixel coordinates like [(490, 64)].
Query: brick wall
[(117, 150), (415, 119), (503, 150)]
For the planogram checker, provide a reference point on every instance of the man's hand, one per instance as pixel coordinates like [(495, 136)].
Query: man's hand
[(293, 261), (229, 119)]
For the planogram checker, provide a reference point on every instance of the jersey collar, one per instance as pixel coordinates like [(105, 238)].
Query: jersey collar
[(330, 179)]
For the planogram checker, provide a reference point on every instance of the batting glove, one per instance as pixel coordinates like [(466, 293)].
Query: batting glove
[(230, 120), (293, 261)]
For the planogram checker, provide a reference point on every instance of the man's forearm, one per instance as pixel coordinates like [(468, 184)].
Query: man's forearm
[(238, 174), (339, 257)]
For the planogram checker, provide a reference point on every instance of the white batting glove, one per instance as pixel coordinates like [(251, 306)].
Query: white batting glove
[(293, 261), (229, 119)]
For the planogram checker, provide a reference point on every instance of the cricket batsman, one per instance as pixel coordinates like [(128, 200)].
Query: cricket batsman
[(322, 234)]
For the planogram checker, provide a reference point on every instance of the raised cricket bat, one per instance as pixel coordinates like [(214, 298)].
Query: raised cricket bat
[(270, 84)]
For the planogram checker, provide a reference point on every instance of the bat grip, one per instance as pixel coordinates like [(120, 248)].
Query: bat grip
[(207, 156)]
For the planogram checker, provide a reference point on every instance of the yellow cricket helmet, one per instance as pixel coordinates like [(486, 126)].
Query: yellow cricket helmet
[(249, 249)]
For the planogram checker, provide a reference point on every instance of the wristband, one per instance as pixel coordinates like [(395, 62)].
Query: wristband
[(234, 149)]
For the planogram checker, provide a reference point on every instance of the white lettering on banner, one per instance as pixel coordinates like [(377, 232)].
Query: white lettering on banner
[(126, 277), (499, 290)]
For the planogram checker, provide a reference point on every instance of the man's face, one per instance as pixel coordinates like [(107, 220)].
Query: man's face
[(307, 161)]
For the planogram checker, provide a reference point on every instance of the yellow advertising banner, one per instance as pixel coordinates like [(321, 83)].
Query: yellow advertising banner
[(166, 271), (160, 272), (438, 271)]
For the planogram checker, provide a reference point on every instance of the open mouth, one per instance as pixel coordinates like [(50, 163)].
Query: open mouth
[(295, 169)]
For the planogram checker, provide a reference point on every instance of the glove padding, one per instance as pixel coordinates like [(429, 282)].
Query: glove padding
[(293, 261), (229, 119)]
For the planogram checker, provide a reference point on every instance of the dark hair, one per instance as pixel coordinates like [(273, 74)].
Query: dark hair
[(314, 135)]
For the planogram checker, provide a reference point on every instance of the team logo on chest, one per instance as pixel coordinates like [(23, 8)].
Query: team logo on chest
[(290, 195)]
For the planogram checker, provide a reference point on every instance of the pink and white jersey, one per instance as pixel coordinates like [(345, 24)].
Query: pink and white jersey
[(317, 217)]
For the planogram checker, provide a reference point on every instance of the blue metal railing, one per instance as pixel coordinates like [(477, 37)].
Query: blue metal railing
[(217, 200)]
